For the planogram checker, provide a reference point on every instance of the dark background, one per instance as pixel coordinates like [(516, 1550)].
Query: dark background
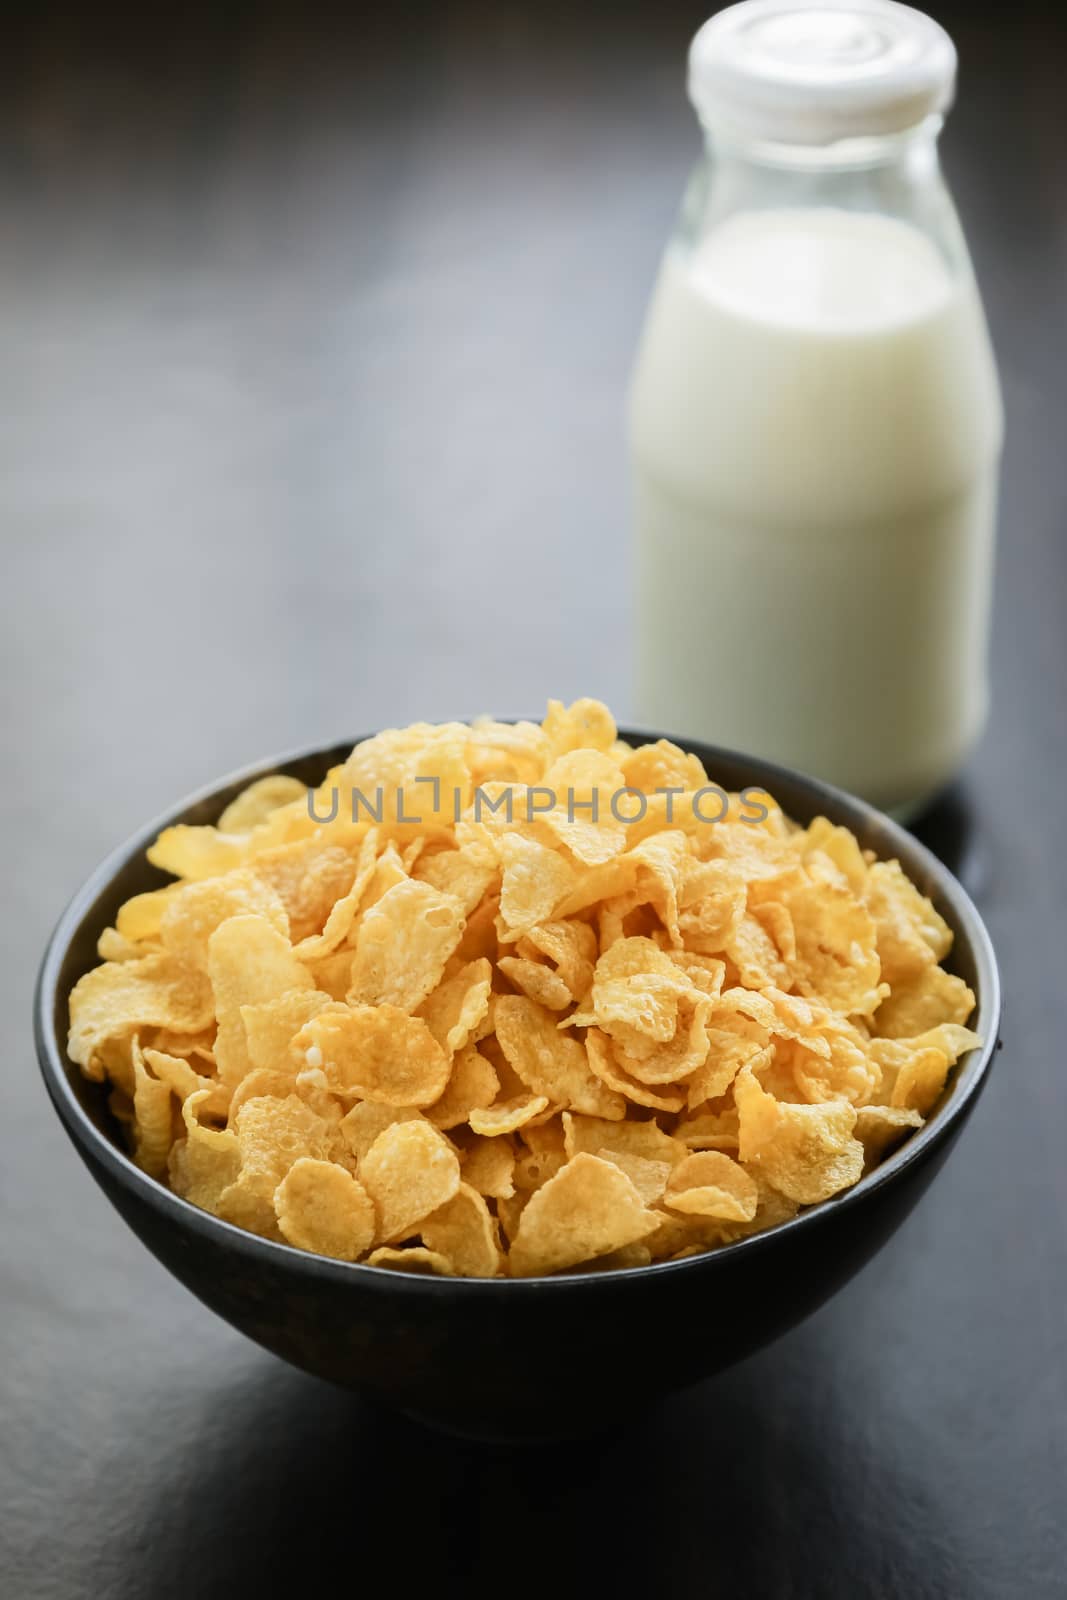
[(314, 335)]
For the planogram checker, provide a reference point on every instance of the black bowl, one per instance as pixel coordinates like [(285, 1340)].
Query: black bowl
[(529, 1358)]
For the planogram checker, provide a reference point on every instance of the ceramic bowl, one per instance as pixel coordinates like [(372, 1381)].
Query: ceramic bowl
[(529, 1358)]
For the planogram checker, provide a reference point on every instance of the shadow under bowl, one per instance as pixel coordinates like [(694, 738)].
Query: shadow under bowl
[(530, 1358)]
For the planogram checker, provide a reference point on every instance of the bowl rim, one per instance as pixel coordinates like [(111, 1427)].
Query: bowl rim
[(969, 1077)]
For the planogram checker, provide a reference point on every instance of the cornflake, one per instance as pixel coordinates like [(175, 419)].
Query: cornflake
[(458, 1016)]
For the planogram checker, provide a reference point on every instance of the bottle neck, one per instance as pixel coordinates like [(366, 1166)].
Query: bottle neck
[(911, 152), (895, 174)]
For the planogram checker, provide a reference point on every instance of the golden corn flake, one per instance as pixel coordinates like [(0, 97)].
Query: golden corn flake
[(504, 999), (678, 1234), (181, 1079), (488, 1165), (706, 973), (375, 1053), (551, 1063), (418, 772), (310, 877), (388, 872), (662, 766), (572, 946), (465, 1233), (322, 1208), (909, 932), (537, 982), (807, 1152), (152, 1120), (403, 946), (913, 1071), (416, 1258), (585, 725), (643, 1139), (505, 1116), (709, 1129), (637, 985), (594, 888), (879, 1127), (466, 874), (710, 1184), (190, 851), (649, 1178), (661, 861), (479, 941), (459, 1005), (409, 1171), (201, 1045), (535, 880), (115, 946), (203, 1164), (755, 955), (584, 782), (361, 1126), (140, 917), (921, 1002), (331, 973), (587, 1210), (621, 1260), (733, 1042), (777, 921), (506, 752), (269, 1026), (473, 1085), (841, 850), (541, 1151), (837, 957), (261, 1081), (410, 854), (849, 1075), (249, 961), (272, 1134), (604, 1065), (509, 1210), (256, 803), (682, 1057), (118, 999), (337, 918)]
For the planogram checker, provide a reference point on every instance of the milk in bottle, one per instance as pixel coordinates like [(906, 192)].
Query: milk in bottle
[(815, 416)]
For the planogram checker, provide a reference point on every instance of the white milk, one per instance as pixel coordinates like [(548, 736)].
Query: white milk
[(816, 426)]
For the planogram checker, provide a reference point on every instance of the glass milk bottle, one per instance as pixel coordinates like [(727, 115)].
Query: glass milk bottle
[(815, 417)]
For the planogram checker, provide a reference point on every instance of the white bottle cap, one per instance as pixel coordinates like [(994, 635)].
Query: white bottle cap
[(801, 72)]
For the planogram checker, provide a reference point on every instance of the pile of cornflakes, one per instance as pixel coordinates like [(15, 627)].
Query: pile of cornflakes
[(508, 999)]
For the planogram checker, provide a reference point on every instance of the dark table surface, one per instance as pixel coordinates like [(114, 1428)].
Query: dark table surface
[(314, 339)]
